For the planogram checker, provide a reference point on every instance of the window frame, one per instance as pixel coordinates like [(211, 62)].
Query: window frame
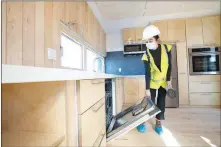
[(82, 54)]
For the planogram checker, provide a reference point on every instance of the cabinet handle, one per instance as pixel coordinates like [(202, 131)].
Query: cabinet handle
[(100, 138), (182, 73), (96, 109), (206, 94), (97, 81), (205, 83)]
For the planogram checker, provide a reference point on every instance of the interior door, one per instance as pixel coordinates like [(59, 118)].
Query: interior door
[(126, 121)]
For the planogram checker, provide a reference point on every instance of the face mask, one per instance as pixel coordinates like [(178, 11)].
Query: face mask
[(152, 46)]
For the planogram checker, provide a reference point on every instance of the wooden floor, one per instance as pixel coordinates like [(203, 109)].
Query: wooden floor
[(183, 127)]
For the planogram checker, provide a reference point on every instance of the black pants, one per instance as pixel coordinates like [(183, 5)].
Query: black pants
[(160, 101)]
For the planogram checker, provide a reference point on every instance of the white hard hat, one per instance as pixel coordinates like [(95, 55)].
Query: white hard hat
[(150, 31)]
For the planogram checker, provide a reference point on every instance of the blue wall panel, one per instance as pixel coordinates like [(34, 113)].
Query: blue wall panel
[(129, 64)]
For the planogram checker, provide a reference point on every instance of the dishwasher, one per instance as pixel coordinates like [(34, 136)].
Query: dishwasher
[(126, 120)]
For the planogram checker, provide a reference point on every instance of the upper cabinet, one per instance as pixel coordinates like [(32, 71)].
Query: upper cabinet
[(194, 32), (132, 34), (129, 34), (211, 30), (176, 30), (162, 25), (139, 33)]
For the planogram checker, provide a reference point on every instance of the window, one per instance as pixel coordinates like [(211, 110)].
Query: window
[(94, 62), (72, 53)]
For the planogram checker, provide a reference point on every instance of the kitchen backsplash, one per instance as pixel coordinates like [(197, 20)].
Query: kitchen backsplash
[(120, 64)]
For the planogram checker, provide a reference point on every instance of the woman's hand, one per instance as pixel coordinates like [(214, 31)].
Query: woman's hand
[(147, 94), (169, 84)]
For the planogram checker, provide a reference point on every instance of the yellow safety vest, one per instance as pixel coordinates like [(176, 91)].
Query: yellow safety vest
[(158, 78)]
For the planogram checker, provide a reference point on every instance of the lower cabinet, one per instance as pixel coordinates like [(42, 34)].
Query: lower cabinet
[(205, 99), (91, 124)]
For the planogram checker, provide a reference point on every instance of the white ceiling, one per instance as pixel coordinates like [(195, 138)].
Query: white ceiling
[(115, 15)]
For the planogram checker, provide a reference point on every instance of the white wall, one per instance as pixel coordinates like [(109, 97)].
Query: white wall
[(114, 42)]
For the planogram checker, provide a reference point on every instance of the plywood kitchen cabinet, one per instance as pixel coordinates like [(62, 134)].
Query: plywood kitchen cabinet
[(129, 34), (176, 30), (162, 26), (205, 99), (182, 61), (89, 92), (205, 78), (142, 87), (81, 17), (211, 30), (183, 89), (119, 94), (14, 33), (204, 86), (139, 33), (91, 123), (33, 118), (194, 32), (131, 90)]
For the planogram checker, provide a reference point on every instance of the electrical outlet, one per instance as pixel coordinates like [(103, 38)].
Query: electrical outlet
[(119, 69)]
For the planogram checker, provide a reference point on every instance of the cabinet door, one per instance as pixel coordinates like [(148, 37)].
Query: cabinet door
[(139, 33), (205, 99), (176, 30), (194, 32), (211, 30), (142, 87), (162, 26), (129, 34), (119, 94), (131, 91), (183, 89), (182, 57)]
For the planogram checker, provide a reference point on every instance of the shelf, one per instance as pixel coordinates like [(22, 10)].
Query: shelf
[(23, 74)]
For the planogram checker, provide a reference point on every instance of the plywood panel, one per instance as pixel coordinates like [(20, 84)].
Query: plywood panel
[(129, 34), (4, 31), (28, 39), (119, 94), (90, 26), (183, 89), (14, 33), (86, 26), (162, 26), (142, 87), (194, 32), (96, 117), (33, 116), (48, 32), (71, 114), (70, 13), (205, 99), (58, 14), (39, 34), (81, 17), (211, 30), (131, 90), (139, 33), (176, 30), (182, 58)]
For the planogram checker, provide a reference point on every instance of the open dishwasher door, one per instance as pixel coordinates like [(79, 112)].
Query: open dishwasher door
[(126, 121)]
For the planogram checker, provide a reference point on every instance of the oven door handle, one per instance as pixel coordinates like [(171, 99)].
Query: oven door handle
[(207, 53)]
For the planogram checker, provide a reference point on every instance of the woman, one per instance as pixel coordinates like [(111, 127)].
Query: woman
[(157, 64)]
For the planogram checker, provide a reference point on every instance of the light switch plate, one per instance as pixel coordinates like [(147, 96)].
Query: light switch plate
[(51, 54)]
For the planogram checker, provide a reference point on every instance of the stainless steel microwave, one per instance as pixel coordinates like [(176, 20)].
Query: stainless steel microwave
[(205, 60)]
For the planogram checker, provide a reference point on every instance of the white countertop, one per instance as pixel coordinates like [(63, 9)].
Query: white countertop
[(24, 74)]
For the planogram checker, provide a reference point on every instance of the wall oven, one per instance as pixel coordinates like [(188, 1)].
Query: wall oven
[(205, 60)]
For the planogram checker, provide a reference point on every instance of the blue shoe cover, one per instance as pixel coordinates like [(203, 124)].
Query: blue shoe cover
[(158, 130), (142, 128)]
